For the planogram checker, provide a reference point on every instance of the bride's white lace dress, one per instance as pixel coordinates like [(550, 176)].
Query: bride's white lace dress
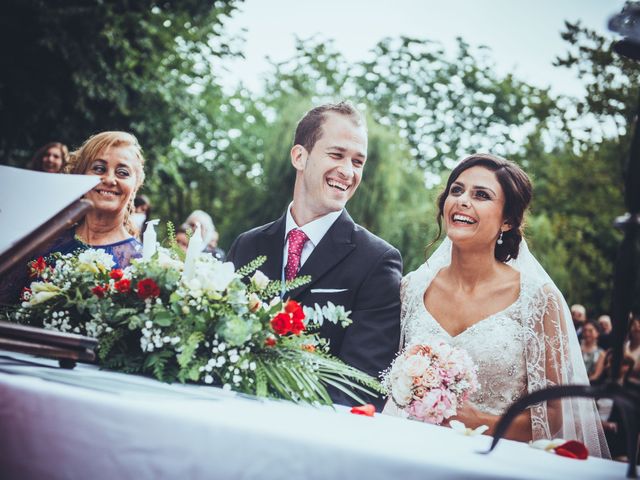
[(527, 346), (496, 344)]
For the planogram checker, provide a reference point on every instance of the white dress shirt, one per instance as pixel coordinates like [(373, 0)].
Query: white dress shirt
[(314, 230)]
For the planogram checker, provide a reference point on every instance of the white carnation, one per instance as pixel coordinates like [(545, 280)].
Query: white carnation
[(95, 261), (41, 292), (415, 365)]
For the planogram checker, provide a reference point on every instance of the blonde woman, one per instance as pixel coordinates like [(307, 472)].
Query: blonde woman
[(116, 158)]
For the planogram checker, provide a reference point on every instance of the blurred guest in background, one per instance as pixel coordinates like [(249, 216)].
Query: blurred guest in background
[(632, 349), (116, 158), (182, 239), (213, 248), (614, 427), (50, 158), (590, 351), (579, 317), (209, 233), (141, 213), (604, 322)]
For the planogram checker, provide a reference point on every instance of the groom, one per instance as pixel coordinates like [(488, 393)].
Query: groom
[(348, 265)]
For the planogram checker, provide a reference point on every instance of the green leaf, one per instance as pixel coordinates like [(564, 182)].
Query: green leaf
[(163, 318)]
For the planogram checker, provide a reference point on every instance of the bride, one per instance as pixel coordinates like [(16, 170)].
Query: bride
[(484, 292)]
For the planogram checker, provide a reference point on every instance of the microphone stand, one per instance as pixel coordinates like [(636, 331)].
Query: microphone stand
[(626, 398)]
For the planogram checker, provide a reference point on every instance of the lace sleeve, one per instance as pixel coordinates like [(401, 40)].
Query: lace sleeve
[(553, 358), (124, 252), (404, 301)]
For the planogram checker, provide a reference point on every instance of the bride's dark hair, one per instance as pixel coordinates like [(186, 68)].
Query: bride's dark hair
[(517, 190)]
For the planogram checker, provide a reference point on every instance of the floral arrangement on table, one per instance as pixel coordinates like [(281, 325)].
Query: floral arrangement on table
[(192, 318), (429, 382)]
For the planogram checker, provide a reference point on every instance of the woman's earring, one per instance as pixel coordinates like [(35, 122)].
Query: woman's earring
[(500, 242)]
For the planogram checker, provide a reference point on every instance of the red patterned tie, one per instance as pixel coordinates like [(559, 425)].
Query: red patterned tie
[(297, 239)]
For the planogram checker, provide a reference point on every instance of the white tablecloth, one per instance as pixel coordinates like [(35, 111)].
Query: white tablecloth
[(91, 424)]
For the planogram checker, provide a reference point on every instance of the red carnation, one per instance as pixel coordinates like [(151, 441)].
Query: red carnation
[(37, 267), (270, 342), (573, 449), (99, 291), (294, 309), (123, 286), (147, 288), (281, 323), (297, 326), (116, 274), (26, 294)]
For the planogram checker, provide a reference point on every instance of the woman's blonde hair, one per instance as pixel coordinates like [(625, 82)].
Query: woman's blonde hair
[(81, 159)]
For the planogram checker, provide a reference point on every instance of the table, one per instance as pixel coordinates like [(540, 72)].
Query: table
[(91, 424)]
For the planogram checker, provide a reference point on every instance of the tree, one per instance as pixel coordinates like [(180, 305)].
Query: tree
[(77, 67), (579, 184)]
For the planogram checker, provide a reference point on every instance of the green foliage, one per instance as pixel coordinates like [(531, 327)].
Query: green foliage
[(78, 68), (252, 266), (158, 363)]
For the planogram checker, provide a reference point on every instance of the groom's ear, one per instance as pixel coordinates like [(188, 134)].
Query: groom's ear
[(299, 157)]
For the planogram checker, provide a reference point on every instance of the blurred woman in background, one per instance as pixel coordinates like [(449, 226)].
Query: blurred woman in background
[(50, 158), (591, 352)]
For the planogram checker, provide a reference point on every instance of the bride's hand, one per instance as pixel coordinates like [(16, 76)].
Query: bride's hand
[(473, 418)]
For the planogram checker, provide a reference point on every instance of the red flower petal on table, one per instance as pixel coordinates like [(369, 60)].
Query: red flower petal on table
[(123, 286), (147, 288), (367, 410), (116, 273), (573, 449), (281, 323)]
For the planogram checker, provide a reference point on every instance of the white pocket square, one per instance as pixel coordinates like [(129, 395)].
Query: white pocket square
[(328, 290)]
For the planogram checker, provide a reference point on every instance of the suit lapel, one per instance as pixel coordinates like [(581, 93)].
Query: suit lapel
[(334, 246), (271, 244)]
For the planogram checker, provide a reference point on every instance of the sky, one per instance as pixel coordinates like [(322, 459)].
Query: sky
[(524, 36)]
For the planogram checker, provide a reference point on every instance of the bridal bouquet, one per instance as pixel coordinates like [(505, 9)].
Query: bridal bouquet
[(193, 319), (429, 382)]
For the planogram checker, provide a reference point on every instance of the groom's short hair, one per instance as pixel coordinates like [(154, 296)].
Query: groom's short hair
[(309, 129)]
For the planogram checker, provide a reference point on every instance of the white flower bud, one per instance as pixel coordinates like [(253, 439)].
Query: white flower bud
[(259, 280)]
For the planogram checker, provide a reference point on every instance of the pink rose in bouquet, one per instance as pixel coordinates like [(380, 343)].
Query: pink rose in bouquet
[(430, 382)]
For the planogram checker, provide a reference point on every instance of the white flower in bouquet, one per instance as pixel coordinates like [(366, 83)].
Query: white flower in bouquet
[(402, 391), (95, 261), (211, 275), (165, 260), (41, 292), (255, 303), (416, 365), (259, 280)]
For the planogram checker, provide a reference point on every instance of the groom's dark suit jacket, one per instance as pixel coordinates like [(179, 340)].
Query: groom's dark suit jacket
[(363, 270)]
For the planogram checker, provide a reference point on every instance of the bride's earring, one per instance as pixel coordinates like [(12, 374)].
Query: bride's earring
[(500, 242)]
